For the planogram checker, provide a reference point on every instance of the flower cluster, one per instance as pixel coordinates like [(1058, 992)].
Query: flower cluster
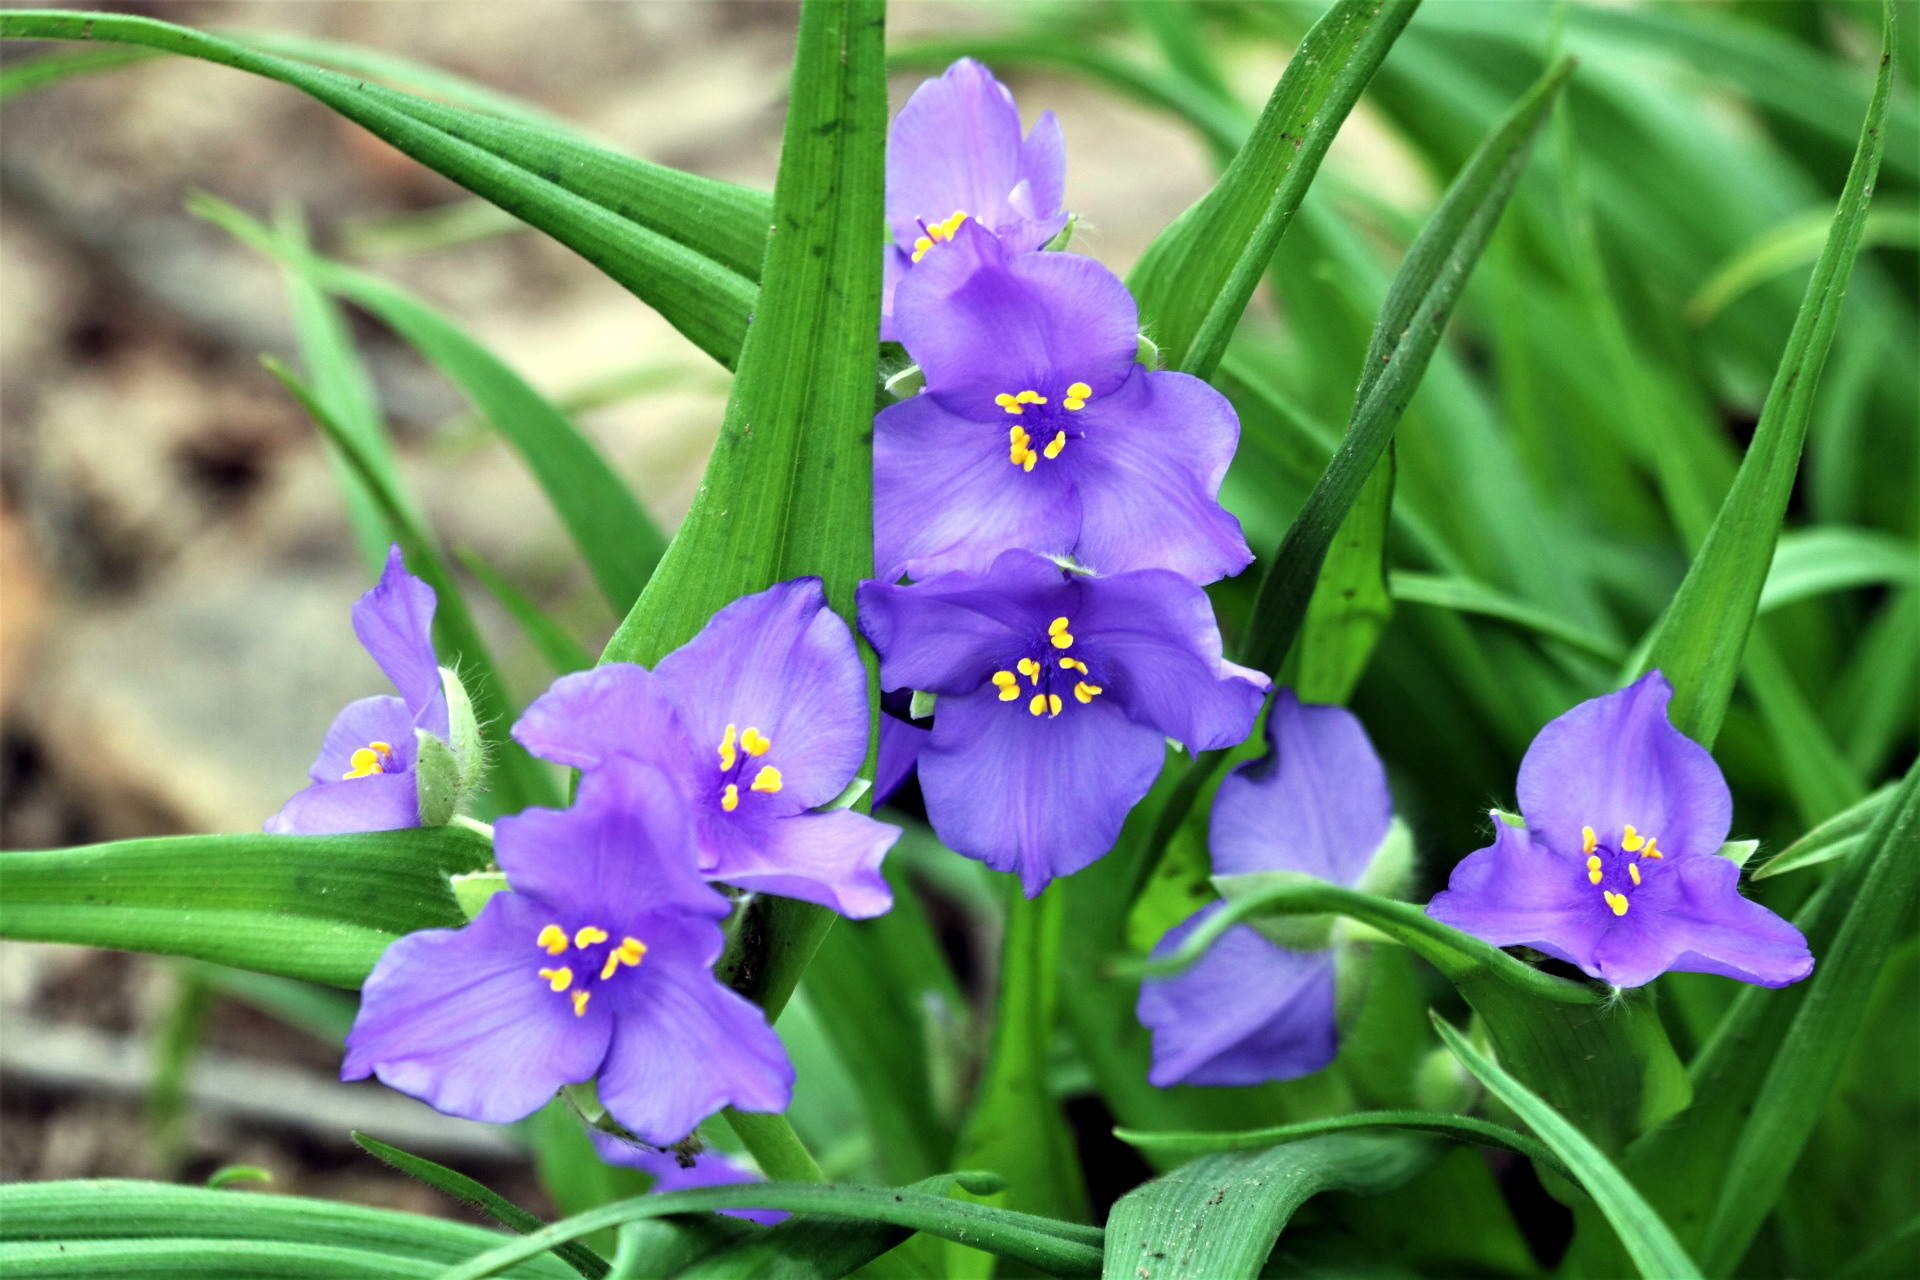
[(596, 961), (1054, 500)]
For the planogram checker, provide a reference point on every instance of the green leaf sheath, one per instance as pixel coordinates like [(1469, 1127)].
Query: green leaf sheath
[(316, 907), (1415, 316), (1217, 1218), (678, 242), (1703, 634), (476, 1196), (1196, 278), (1655, 1253)]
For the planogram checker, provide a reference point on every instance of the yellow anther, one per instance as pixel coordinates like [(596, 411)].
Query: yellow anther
[(580, 1003), (553, 938), (1018, 451), (1063, 640), (1594, 877), (938, 233), (368, 760), (1073, 664), (1618, 901), (1593, 869), (558, 979), (1588, 839), (755, 743), (589, 936), (1058, 625), (1031, 397), (767, 780), (629, 952), (1085, 692), (1055, 445), (1053, 704), (730, 797), (1008, 684), (1008, 402), (727, 755), (1030, 669), (1631, 840), (1038, 704), (1650, 851), (920, 246), (1633, 869), (1077, 396), (1026, 463)]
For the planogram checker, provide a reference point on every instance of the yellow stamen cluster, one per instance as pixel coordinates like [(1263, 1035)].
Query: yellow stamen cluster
[(938, 233), (1020, 449), (1631, 841), (754, 743), (369, 760), (554, 941), (1017, 404)]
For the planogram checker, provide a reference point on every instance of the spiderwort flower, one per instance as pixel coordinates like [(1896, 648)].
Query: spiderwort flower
[(673, 1172), (1617, 869), (1057, 691), (370, 774), (1248, 1010), (955, 156), (598, 960), (1039, 429), (759, 720)]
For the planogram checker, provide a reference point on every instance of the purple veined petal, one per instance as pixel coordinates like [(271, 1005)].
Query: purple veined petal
[(894, 266), (1317, 802), (1157, 653), (1245, 1013), (1615, 760), (1148, 474), (377, 802), (900, 743), (1042, 189), (831, 858), (463, 1020), (1520, 892), (1041, 795), (947, 495), (982, 324), (709, 1169), (613, 709), (947, 635), (684, 1046), (395, 624), (361, 726), (955, 147), (781, 664), (624, 851), (1688, 916)]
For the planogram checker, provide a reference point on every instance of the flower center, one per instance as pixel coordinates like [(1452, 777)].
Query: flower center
[(1020, 450), (375, 757), (590, 942), (736, 751), (1617, 873), (1041, 677), (937, 233)]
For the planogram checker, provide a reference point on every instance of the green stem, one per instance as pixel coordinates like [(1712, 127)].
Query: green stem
[(472, 824), (775, 1147)]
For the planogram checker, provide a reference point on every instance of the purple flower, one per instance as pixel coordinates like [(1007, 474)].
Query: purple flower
[(759, 719), (1250, 1011), (599, 961), (707, 1169), (900, 743), (1617, 870), (1057, 692), (955, 156), (365, 777), (1038, 429)]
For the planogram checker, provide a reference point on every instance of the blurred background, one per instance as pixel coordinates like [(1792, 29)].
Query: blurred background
[(176, 567)]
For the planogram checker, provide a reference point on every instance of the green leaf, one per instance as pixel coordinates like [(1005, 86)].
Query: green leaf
[(1351, 603), (806, 1248), (157, 1229), (316, 907), (33, 73), (1463, 595), (562, 652), (1483, 1133), (1217, 1218), (518, 780), (1194, 281), (1837, 837), (487, 1201), (1655, 1253), (1796, 242), (227, 1175), (1703, 634), (1812, 562), (685, 245), (1060, 1248), (1409, 330)]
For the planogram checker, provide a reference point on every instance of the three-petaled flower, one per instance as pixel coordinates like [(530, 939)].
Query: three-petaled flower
[(1057, 692), (368, 775), (1040, 430), (1618, 870), (759, 720), (955, 157), (598, 960), (1248, 1010)]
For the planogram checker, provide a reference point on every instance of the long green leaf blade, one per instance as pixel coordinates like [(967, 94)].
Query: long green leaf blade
[(1460, 1128)]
